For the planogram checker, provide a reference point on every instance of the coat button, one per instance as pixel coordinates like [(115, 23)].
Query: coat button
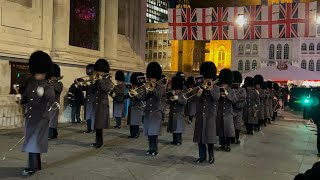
[(174, 113), (151, 111), (30, 108), (96, 103), (30, 116), (33, 91), (150, 104), (204, 106), (150, 98), (31, 99)]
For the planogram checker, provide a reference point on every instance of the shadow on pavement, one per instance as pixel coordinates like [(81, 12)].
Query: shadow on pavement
[(7, 172)]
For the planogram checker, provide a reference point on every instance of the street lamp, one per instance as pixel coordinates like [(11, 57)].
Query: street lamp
[(241, 20)]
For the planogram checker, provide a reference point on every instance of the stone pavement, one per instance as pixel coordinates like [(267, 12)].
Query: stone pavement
[(278, 152)]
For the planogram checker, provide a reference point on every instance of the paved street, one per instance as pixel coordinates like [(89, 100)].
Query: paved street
[(278, 152)]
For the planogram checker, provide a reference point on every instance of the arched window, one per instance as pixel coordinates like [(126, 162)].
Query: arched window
[(311, 48), (271, 51), (254, 65), (303, 64), (255, 49), (241, 49), (248, 49), (311, 65), (247, 65), (304, 48), (318, 66), (279, 51), (318, 48), (240, 66), (286, 51)]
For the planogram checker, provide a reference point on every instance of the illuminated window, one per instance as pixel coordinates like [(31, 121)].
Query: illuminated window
[(241, 49), (240, 66), (254, 65), (311, 65), (247, 65), (286, 51), (303, 64), (271, 51), (255, 49), (248, 49), (221, 55), (279, 51), (318, 66)]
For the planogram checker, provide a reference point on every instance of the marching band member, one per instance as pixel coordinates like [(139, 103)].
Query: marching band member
[(266, 103), (239, 105), (270, 100), (205, 124), (176, 114), (258, 82), (153, 110), (276, 99), (118, 98), (101, 88), (38, 96), (252, 105), (191, 103), (88, 106), (54, 113), (225, 124), (135, 110)]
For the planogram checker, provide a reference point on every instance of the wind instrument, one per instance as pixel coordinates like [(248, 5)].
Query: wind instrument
[(55, 79), (208, 84)]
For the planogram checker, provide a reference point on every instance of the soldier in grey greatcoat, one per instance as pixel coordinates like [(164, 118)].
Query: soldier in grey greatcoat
[(266, 104), (191, 107), (205, 125), (88, 104), (117, 93), (176, 114), (252, 105), (38, 97), (54, 113), (258, 82), (135, 111), (270, 100), (101, 88), (225, 124), (239, 104), (153, 109)]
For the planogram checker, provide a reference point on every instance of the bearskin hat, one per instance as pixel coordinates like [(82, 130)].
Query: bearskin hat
[(258, 79), (269, 84), (177, 83), (102, 65), (89, 69), (248, 82), (154, 70), (181, 74), (134, 78), (191, 81), (208, 70), (237, 77), (264, 85), (276, 86), (56, 70), (119, 76), (40, 63), (225, 76)]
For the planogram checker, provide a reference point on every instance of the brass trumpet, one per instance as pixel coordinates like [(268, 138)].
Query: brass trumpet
[(94, 77), (55, 79)]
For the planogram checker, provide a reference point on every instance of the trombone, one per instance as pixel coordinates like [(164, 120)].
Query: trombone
[(208, 84), (149, 86), (55, 79), (94, 77)]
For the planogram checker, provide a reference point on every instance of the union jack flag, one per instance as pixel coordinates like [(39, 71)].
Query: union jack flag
[(189, 23), (220, 23), (289, 20), (252, 29)]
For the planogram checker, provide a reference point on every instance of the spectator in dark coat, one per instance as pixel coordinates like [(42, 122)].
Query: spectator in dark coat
[(75, 100)]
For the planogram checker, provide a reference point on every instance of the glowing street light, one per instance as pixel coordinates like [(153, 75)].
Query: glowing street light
[(241, 20)]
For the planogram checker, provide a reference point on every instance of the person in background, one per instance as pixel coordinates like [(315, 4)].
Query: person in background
[(75, 100), (315, 115), (88, 105), (258, 82), (252, 105)]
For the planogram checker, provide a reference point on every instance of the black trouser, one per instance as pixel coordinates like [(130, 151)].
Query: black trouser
[(249, 128), (163, 117), (275, 114), (53, 133), (34, 162), (318, 136), (203, 151), (75, 113), (191, 118), (260, 122), (89, 121), (99, 136), (177, 137), (224, 141), (237, 134), (118, 121), (153, 143), (134, 130)]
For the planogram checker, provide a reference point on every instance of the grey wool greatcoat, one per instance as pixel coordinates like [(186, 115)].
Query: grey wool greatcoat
[(260, 114), (252, 106), (88, 104), (101, 103), (266, 104), (118, 100), (135, 111), (225, 124), (153, 111), (54, 114), (205, 124), (37, 116), (271, 100), (241, 96), (176, 115), (192, 106)]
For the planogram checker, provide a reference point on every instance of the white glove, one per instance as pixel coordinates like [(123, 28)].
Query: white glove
[(113, 95), (88, 83), (226, 93), (175, 97), (18, 97), (199, 92), (133, 92), (40, 91)]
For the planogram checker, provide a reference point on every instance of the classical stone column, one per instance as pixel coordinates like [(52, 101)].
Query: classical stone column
[(60, 33), (111, 29)]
